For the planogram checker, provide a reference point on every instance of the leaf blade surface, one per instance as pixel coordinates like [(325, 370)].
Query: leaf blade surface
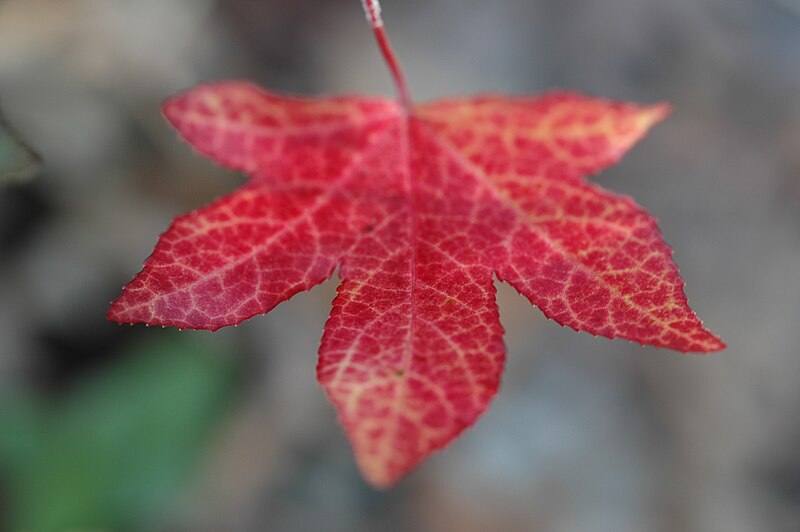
[(419, 210)]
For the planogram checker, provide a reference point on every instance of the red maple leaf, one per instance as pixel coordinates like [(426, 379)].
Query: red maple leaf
[(419, 207)]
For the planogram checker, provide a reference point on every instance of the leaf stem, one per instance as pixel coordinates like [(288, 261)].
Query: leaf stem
[(372, 8)]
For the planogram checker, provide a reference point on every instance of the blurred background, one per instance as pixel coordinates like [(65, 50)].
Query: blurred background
[(105, 427)]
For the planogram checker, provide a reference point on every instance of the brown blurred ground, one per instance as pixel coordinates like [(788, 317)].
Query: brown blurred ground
[(586, 434)]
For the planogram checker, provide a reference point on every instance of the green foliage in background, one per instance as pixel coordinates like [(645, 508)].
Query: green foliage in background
[(18, 162), (115, 454)]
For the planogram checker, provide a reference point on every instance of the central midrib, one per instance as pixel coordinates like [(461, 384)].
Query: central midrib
[(408, 352)]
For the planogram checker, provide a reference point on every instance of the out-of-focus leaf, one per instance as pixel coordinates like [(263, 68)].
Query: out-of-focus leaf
[(114, 455), (20, 430), (18, 161)]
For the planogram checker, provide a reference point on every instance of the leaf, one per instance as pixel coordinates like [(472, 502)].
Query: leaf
[(419, 207), (18, 162), (114, 454), (418, 211)]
